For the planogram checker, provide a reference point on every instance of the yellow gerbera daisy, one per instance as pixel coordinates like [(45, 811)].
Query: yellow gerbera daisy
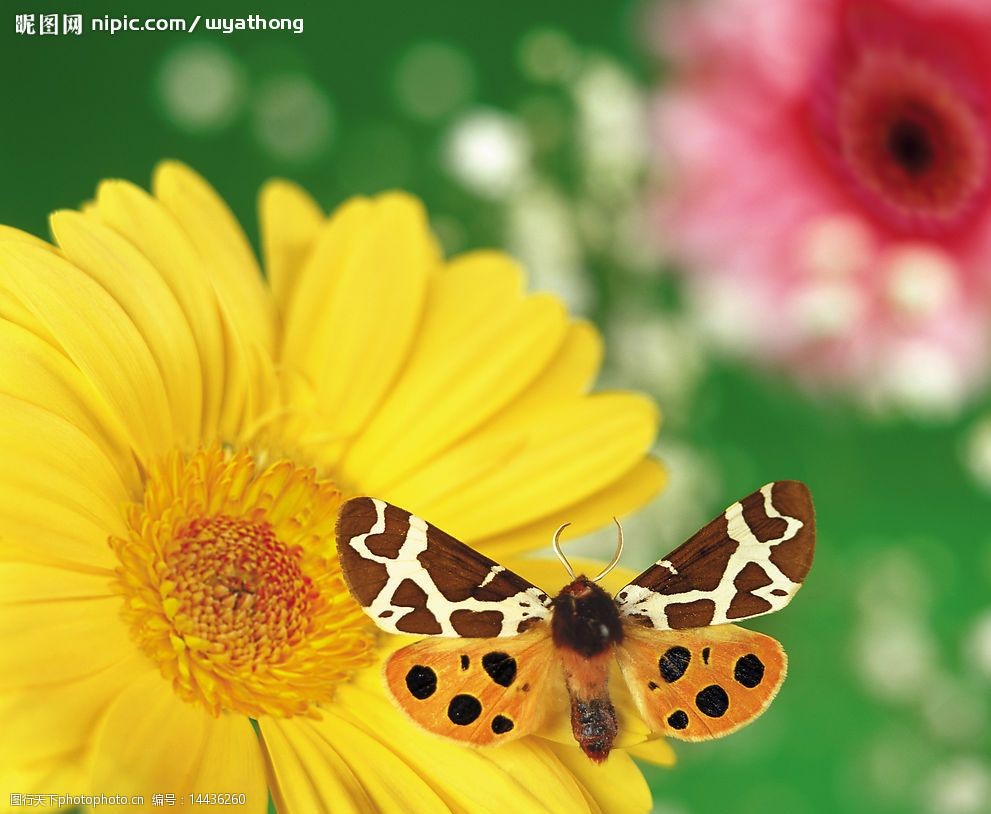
[(177, 434)]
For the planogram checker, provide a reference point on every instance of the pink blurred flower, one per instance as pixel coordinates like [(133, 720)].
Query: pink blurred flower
[(827, 178)]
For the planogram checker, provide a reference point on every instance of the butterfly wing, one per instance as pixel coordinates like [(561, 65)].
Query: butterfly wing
[(700, 684), (411, 577), (749, 561), (478, 691)]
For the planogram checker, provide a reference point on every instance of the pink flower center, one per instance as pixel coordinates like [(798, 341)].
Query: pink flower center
[(905, 124), (914, 146)]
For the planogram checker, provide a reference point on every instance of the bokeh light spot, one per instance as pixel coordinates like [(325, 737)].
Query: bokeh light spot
[(433, 79), (293, 118), (548, 55), (200, 87), (922, 281)]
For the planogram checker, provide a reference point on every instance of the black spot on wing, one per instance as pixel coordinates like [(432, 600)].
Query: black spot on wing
[(464, 709), (421, 682), (673, 663), (678, 719), (501, 724), (501, 667), (465, 661), (706, 651), (712, 701), (749, 671)]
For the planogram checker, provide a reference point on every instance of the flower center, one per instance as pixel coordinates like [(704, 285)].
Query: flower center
[(233, 588), (913, 143), (900, 105)]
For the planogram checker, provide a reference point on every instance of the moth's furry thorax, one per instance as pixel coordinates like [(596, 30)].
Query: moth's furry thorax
[(585, 618)]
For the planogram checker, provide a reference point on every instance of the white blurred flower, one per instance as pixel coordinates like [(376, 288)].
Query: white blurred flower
[(960, 786), (489, 153), (540, 231), (921, 378), (922, 280), (612, 132), (657, 352), (896, 656)]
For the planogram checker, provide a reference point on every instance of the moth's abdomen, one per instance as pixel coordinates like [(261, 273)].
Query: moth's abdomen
[(593, 717), (594, 725)]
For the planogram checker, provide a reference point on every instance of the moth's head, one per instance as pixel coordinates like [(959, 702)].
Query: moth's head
[(585, 618)]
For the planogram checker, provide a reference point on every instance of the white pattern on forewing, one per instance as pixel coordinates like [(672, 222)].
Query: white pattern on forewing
[(640, 601), (406, 565), (495, 569)]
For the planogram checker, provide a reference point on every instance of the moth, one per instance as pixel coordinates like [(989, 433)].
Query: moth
[(503, 653)]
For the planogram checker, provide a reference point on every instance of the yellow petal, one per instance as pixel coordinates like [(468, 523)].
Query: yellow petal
[(615, 786), (48, 729), (60, 497), (226, 253), (97, 334), (25, 583), (360, 337), (139, 289), (11, 308), (657, 751), (151, 741), (33, 371), (307, 775), (623, 496), (290, 219), (570, 372), (10, 233), (149, 227), (516, 476), (348, 768), (480, 345), (520, 776), (48, 643), (250, 386), (316, 280)]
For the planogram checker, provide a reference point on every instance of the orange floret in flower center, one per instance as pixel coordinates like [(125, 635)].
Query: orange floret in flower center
[(232, 585), (239, 588)]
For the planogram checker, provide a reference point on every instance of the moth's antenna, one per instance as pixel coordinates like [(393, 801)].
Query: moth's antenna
[(560, 554), (619, 553)]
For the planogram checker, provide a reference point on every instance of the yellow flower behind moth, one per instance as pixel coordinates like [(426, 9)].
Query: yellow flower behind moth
[(178, 431)]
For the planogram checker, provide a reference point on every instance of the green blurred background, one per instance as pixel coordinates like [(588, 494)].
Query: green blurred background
[(519, 125)]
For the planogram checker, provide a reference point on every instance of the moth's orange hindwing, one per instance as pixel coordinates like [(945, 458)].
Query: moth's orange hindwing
[(478, 691), (411, 577), (748, 561), (700, 684)]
